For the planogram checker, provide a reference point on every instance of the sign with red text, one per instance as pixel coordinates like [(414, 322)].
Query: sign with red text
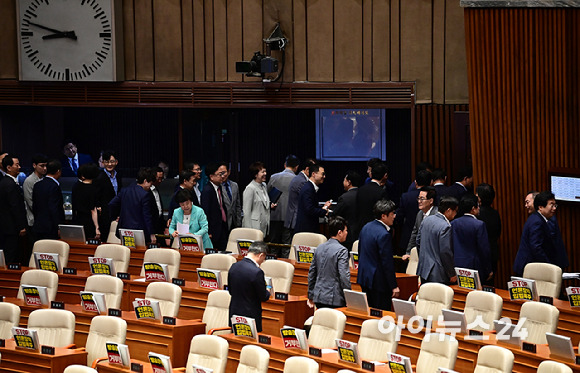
[(147, 309), (399, 363), (304, 254), (573, 296), (244, 327), (101, 266), (347, 351), (209, 278), (156, 272), (47, 261), (25, 338), (468, 278), (294, 338)]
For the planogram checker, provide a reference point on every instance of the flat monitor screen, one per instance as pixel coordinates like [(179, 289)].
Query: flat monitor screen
[(565, 184)]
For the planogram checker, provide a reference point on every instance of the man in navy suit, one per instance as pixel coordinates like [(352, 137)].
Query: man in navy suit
[(308, 210), (12, 210), (376, 269), (294, 191), (541, 238), (439, 180), (247, 285), (369, 194), (346, 205), (133, 205), (212, 202), (462, 185), (109, 183), (47, 203), (72, 160), (470, 243)]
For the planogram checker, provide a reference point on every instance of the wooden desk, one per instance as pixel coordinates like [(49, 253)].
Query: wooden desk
[(105, 367), (79, 258), (22, 360)]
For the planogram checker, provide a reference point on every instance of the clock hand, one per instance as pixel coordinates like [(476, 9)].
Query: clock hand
[(45, 28), (66, 34)]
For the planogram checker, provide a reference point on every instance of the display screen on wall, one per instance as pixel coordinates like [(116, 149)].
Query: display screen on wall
[(565, 184), (350, 134)]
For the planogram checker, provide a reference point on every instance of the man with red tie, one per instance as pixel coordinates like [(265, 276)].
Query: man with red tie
[(212, 202)]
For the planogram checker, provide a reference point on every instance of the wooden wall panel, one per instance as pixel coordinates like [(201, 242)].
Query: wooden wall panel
[(381, 46), (438, 60), (522, 66), (281, 11), (187, 38), (235, 38), (9, 54), (220, 42), (252, 29), (208, 33), (298, 41), (129, 39), (144, 47), (319, 16), (167, 40), (367, 39), (455, 68), (348, 45), (199, 40)]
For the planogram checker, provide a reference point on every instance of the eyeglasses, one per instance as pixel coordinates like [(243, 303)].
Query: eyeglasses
[(221, 174), (111, 162), (420, 199)]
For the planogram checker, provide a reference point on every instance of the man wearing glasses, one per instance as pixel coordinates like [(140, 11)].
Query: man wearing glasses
[(212, 202), (426, 199), (109, 184)]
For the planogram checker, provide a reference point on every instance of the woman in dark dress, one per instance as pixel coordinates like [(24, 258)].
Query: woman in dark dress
[(85, 200)]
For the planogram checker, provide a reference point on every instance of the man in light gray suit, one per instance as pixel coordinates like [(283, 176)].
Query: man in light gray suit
[(294, 191), (281, 181), (426, 199), (231, 193), (436, 246)]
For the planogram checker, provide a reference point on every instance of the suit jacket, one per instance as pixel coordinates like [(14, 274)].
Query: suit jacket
[(441, 191), (407, 215), (329, 274), (470, 245), (281, 181), (12, 209), (233, 206), (211, 207), (293, 192), (456, 190), (490, 217), (541, 242), (134, 208), (256, 207), (174, 205), (47, 204), (247, 286), (197, 224), (418, 220), (376, 269), (308, 210), (106, 194), (436, 250), (66, 168), (346, 207), (366, 198)]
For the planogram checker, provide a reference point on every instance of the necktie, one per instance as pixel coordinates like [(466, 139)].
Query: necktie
[(229, 190), (74, 165), (222, 205)]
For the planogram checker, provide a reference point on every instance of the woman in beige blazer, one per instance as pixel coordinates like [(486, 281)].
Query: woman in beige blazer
[(256, 201)]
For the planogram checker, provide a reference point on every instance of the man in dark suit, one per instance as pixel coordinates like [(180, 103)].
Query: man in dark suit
[(308, 210), (232, 203), (425, 202), (369, 194), (293, 192), (376, 269), (462, 185), (214, 206), (47, 203), (346, 205), (72, 160), (12, 210), (470, 243), (133, 205), (247, 285), (541, 238), (109, 183), (492, 220), (439, 180), (281, 181)]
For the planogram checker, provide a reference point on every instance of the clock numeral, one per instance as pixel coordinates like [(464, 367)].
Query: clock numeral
[(103, 35), (67, 74), (26, 33)]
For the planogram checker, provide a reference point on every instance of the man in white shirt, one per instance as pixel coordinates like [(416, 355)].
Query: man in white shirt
[(425, 201)]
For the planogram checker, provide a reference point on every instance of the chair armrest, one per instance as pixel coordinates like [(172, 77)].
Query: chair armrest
[(413, 297), (178, 370), (71, 346), (98, 360), (211, 331)]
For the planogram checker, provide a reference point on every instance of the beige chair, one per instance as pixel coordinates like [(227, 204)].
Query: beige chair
[(242, 234), (253, 359), (163, 256), (55, 327), (539, 319), (216, 313), (346, 371), (494, 359), (221, 262), (300, 364), (79, 369), (413, 262), (549, 366), (208, 351), (167, 294), (548, 278), (432, 298), (327, 326), (486, 305), (104, 329), (111, 287), (39, 277), (306, 239), (120, 254), (373, 344), (9, 317), (437, 351), (355, 246), (282, 274), (112, 237), (51, 246)]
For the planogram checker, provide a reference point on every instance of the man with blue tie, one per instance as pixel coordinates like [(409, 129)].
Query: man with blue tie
[(72, 160)]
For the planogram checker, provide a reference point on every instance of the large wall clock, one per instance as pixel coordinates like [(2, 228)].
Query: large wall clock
[(70, 40)]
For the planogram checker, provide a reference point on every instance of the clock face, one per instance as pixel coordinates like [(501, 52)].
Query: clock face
[(66, 40)]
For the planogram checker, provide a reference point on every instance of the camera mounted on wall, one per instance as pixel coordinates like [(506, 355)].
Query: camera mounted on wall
[(262, 64)]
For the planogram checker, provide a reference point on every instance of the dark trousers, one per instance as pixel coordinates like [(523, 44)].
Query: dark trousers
[(380, 299), (9, 244)]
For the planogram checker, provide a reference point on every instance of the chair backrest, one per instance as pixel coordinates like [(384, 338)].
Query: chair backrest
[(355, 246), (163, 256), (548, 278), (243, 234), (104, 329), (539, 319), (253, 359), (216, 313), (494, 359), (208, 351), (413, 262), (120, 254), (282, 274), (112, 237), (306, 239), (111, 287), (300, 364), (168, 295), (9, 317), (327, 326), (486, 305), (432, 298), (51, 246), (549, 366), (55, 327), (221, 262), (437, 350), (79, 369), (373, 344), (39, 277)]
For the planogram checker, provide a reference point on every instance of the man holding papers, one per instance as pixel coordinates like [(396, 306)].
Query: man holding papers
[(189, 219)]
